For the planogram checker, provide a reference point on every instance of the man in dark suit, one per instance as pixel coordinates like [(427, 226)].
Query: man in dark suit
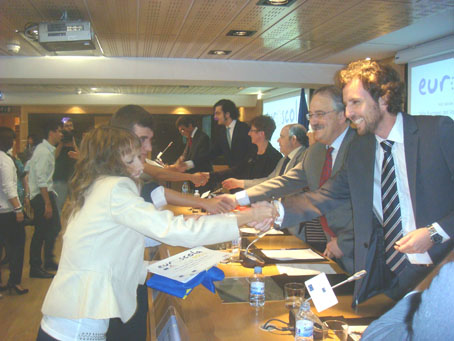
[(398, 176), (231, 141), (197, 145)]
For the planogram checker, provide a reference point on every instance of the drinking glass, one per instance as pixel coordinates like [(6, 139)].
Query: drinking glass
[(337, 330), (294, 294)]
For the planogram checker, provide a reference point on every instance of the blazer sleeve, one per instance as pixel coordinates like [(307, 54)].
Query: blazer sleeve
[(129, 209), (446, 133), (309, 205), (292, 182)]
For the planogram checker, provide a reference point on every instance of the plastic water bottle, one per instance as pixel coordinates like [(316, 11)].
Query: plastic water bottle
[(185, 188), (304, 326), (257, 289), (196, 210)]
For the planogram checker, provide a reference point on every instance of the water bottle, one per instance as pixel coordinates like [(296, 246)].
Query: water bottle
[(196, 210), (304, 326), (185, 188), (257, 289)]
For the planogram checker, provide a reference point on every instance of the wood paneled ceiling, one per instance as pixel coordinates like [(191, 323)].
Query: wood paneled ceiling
[(307, 31)]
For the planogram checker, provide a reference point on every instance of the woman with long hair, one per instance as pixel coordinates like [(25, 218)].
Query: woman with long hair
[(102, 258), (12, 230)]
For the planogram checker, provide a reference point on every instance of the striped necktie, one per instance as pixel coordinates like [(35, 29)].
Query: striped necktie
[(392, 218)]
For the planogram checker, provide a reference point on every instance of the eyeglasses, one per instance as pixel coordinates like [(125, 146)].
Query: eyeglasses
[(317, 114), (254, 130)]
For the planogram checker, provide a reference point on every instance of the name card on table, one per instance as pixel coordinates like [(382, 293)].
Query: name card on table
[(186, 265), (321, 292)]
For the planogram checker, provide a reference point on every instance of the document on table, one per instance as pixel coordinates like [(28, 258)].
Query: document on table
[(294, 254), (186, 265), (304, 269), (252, 230)]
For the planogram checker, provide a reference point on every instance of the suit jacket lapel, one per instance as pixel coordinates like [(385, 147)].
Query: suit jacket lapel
[(341, 153), (411, 142)]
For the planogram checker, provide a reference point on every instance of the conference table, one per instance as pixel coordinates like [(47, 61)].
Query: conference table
[(204, 316)]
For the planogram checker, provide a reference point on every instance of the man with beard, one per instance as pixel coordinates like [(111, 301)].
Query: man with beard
[(398, 176)]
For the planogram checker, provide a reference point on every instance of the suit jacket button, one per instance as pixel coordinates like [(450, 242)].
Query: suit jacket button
[(366, 245)]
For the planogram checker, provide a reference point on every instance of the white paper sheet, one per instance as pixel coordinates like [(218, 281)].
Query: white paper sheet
[(252, 230), (294, 254), (304, 269), (186, 265)]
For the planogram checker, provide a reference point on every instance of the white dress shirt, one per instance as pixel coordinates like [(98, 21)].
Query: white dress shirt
[(42, 166), (403, 189), (8, 182)]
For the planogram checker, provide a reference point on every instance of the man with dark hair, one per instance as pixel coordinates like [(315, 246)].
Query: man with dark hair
[(398, 176), (197, 146), (333, 233), (232, 141), (43, 201), (140, 121), (197, 143)]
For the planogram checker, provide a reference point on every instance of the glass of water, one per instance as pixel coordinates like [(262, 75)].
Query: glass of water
[(294, 295)]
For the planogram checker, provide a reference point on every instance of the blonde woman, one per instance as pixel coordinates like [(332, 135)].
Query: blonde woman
[(102, 257)]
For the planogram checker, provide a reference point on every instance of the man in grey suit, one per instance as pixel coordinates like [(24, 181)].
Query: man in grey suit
[(292, 143), (331, 129), (401, 162)]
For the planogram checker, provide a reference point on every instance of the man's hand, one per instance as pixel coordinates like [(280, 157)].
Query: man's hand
[(180, 166), (20, 216), (265, 214), (200, 178), (228, 198), (232, 183), (73, 154), (332, 249), (217, 205), (417, 241), (48, 211)]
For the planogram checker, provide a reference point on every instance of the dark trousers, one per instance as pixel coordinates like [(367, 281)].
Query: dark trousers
[(136, 328), (13, 235), (46, 231)]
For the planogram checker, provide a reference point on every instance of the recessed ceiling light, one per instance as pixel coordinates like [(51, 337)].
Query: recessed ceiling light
[(240, 33), (282, 3), (219, 52), (93, 89)]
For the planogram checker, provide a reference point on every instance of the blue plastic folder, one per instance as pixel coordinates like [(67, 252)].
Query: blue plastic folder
[(182, 290)]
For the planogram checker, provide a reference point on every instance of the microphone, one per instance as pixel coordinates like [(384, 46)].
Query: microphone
[(161, 153)]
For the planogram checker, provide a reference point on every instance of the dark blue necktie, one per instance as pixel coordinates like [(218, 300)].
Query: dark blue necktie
[(392, 218)]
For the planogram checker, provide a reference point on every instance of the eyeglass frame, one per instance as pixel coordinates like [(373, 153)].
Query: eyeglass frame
[(318, 114)]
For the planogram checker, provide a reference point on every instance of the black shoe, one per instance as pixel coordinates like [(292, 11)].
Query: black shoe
[(40, 273), (14, 288), (51, 266)]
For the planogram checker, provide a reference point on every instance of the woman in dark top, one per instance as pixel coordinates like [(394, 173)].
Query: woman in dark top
[(267, 157)]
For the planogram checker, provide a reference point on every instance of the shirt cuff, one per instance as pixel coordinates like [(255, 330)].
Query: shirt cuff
[(158, 197), (280, 208), (189, 164), (441, 232), (151, 242), (242, 198)]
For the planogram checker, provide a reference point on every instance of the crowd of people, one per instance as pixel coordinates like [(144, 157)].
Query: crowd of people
[(374, 191)]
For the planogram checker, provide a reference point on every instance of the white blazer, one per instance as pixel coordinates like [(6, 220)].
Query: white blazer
[(103, 247)]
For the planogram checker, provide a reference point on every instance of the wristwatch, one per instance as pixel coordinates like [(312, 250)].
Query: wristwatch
[(434, 235)]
